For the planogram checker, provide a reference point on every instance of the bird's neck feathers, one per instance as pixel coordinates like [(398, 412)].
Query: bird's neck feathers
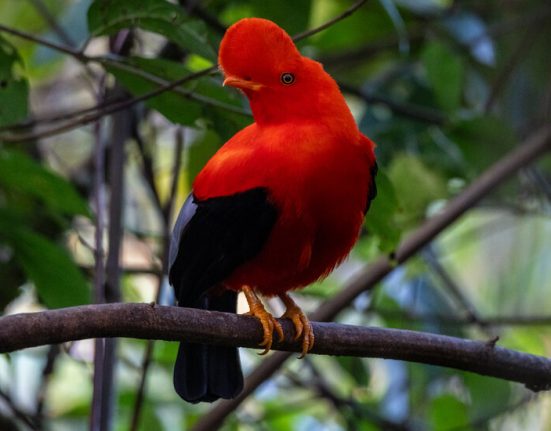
[(316, 98)]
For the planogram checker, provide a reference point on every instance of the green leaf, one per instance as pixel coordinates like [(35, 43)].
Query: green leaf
[(366, 426), (381, 217), (173, 106), (483, 140), (278, 11), (149, 418), (390, 311), (176, 107), (14, 88), (417, 185), (20, 173), (59, 283), (525, 340), (106, 17), (322, 289), (445, 74), (165, 352), (169, 70), (448, 413), (201, 150), (481, 404), (425, 6), (11, 277), (356, 368), (368, 24)]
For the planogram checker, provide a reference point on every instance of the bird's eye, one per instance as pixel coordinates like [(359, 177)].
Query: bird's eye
[(287, 78)]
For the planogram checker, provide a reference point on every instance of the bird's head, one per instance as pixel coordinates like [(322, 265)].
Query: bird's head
[(259, 57)]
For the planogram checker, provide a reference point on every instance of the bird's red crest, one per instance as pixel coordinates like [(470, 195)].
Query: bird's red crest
[(259, 42)]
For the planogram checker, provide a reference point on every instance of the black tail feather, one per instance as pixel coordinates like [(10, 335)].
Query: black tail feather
[(204, 372)]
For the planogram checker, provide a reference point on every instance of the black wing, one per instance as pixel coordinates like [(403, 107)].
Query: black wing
[(212, 237)]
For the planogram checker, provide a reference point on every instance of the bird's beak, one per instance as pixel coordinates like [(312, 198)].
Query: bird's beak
[(243, 84)]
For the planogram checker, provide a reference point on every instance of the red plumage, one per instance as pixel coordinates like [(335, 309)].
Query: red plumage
[(304, 147)]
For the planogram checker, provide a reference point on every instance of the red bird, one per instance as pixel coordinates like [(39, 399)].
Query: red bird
[(276, 208)]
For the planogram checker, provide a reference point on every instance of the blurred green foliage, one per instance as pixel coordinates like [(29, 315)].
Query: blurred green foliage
[(445, 88), (107, 17), (36, 207), (13, 86)]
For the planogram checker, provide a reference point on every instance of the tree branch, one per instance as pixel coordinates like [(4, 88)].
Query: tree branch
[(145, 321)]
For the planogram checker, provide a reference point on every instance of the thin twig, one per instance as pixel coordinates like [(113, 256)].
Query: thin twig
[(17, 412), (147, 168), (140, 394), (121, 131), (323, 389), (99, 273), (58, 116), (540, 181), (47, 371), (518, 55), (451, 286), (178, 149), (188, 94), (52, 45), (54, 25), (196, 9), (331, 22), (132, 270)]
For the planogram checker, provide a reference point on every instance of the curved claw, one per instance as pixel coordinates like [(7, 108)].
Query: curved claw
[(303, 327), (268, 322)]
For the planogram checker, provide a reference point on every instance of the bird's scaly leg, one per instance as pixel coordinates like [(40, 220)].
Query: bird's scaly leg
[(268, 322), (301, 322)]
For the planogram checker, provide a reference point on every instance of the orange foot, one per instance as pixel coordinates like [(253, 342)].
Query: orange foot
[(268, 322), (301, 322)]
